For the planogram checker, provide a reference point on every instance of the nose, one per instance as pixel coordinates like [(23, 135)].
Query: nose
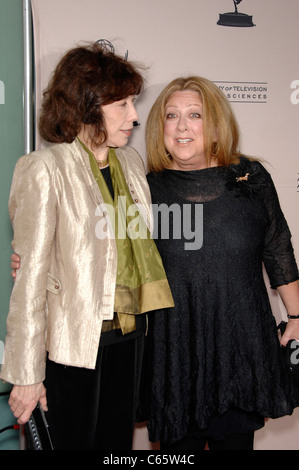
[(182, 125), (133, 115)]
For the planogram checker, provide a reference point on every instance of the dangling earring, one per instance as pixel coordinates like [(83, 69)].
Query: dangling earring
[(214, 149)]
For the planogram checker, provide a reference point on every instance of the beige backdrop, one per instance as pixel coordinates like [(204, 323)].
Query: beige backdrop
[(256, 67)]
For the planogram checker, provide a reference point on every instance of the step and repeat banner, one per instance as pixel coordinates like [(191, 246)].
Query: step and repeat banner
[(248, 48)]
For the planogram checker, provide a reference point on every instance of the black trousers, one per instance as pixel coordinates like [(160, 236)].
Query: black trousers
[(95, 409), (234, 441)]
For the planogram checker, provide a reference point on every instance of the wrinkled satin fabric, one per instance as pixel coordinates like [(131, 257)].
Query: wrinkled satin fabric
[(60, 289)]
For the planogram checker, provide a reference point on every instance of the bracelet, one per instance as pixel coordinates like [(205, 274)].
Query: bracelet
[(291, 317)]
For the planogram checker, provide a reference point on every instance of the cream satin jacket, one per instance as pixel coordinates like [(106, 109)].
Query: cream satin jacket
[(65, 286)]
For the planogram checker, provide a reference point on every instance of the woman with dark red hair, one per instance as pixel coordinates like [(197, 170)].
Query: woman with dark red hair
[(77, 313)]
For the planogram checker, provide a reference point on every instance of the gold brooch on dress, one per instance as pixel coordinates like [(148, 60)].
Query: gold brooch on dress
[(243, 178)]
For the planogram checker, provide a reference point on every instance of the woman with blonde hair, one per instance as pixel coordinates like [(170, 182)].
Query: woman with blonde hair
[(214, 366), (222, 142)]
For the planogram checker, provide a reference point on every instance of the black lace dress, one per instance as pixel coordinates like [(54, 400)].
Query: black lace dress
[(213, 363)]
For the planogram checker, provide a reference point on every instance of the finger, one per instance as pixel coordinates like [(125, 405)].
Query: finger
[(24, 417), (22, 412), (43, 403), (284, 340), (15, 265), (13, 403)]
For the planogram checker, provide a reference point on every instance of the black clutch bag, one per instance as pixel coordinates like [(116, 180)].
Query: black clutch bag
[(291, 355), (37, 431)]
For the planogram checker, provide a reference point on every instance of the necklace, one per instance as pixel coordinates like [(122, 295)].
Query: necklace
[(103, 163)]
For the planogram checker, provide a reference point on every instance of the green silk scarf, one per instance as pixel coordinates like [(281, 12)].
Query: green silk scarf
[(141, 283)]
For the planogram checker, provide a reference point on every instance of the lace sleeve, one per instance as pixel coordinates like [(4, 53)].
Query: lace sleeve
[(278, 253)]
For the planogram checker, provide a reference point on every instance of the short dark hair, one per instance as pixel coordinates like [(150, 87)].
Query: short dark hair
[(86, 78)]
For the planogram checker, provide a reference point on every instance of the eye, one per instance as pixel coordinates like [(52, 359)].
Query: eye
[(196, 115), (131, 99), (170, 115)]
